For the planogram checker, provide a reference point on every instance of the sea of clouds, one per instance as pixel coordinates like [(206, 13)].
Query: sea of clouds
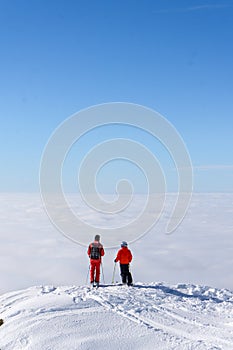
[(34, 252)]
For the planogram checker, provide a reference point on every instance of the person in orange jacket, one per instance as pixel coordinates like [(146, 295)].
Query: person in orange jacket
[(124, 256), (95, 252)]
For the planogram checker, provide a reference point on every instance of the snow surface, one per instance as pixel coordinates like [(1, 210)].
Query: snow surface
[(146, 316), (149, 315)]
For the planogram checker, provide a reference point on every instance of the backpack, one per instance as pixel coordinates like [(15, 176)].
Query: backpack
[(95, 251)]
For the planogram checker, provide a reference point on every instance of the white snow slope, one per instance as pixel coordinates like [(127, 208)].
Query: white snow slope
[(146, 316)]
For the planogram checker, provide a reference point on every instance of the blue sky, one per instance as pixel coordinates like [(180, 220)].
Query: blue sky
[(58, 57)]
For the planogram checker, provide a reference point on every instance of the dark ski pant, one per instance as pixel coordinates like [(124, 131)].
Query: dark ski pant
[(125, 274)]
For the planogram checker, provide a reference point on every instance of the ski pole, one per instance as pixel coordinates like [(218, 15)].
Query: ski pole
[(102, 272), (88, 274), (113, 275)]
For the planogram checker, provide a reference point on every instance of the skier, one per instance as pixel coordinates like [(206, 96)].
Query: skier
[(95, 252), (124, 256)]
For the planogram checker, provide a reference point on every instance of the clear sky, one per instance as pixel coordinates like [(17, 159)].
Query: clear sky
[(58, 57)]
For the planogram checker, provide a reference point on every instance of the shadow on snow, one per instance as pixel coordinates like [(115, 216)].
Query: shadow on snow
[(173, 292)]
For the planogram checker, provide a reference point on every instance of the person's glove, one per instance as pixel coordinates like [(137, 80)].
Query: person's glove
[(115, 260)]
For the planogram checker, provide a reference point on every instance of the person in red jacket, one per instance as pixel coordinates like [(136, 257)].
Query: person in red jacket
[(95, 252), (124, 256)]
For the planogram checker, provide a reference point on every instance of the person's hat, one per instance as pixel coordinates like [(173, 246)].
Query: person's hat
[(97, 238), (124, 244)]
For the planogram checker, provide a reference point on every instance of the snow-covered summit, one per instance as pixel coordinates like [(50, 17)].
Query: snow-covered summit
[(146, 316)]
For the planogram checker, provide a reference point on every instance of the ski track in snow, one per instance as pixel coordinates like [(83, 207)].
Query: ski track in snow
[(170, 321), (152, 316)]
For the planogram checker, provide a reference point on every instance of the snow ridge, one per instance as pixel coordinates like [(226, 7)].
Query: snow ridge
[(117, 317)]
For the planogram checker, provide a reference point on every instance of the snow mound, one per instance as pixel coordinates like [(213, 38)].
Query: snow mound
[(151, 316)]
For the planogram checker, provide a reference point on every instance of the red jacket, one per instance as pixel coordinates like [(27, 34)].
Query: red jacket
[(124, 256), (101, 250)]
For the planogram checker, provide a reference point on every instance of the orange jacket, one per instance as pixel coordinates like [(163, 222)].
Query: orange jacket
[(124, 256)]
